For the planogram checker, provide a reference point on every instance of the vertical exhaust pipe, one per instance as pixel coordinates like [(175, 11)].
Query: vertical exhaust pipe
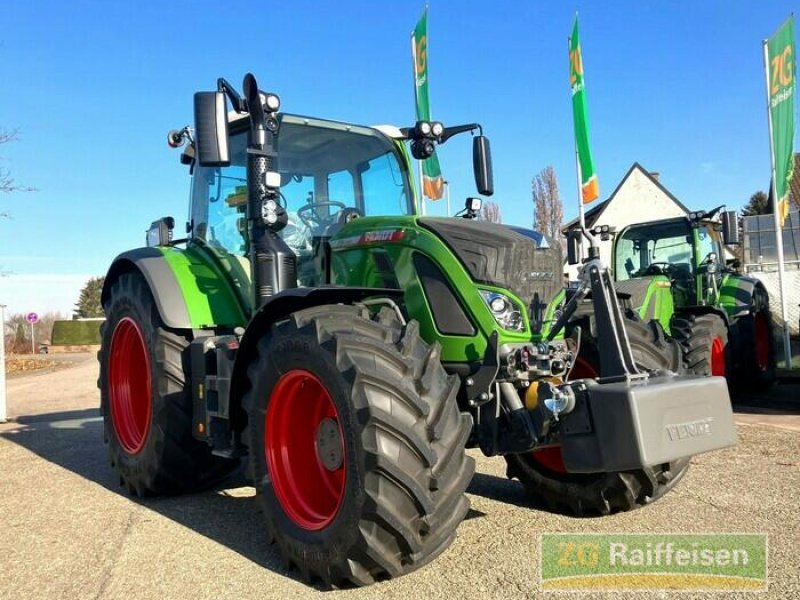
[(273, 265)]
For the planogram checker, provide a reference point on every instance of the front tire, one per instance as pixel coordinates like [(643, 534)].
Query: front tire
[(704, 339), (357, 446), (145, 399), (543, 474)]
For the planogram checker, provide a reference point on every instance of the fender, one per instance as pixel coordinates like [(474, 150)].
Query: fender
[(650, 297), (739, 295), (278, 307), (190, 292)]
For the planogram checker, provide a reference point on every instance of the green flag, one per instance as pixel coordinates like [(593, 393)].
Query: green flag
[(590, 189), (781, 82), (432, 181)]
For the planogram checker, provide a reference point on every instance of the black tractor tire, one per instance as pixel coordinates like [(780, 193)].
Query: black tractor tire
[(652, 349), (704, 341), (401, 495), (605, 493), (148, 428), (751, 338)]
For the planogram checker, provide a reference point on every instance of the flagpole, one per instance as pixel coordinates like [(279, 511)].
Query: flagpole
[(419, 162), (787, 346)]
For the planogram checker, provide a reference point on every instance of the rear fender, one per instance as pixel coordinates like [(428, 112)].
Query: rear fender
[(740, 295), (190, 292)]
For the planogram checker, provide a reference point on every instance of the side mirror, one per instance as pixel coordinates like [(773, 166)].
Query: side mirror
[(482, 165), (211, 129), (730, 227), (733, 263), (574, 247)]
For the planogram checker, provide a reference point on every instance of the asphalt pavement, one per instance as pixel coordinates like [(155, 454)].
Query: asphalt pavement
[(67, 530)]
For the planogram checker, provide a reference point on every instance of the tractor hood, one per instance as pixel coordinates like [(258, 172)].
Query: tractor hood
[(515, 259)]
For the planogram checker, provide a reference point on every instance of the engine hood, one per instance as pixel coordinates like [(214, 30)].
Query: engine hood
[(506, 257)]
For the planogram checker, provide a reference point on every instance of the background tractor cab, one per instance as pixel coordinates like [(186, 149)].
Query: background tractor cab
[(675, 271), (684, 257)]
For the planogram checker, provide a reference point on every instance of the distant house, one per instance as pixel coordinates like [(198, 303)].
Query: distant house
[(639, 197)]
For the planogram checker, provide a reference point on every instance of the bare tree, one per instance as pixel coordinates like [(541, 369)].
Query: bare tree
[(490, 211), (7, 183), (548, 211)]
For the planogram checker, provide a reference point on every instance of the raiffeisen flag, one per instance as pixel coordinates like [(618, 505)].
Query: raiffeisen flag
[(590, 189), (432, 181), (781, 67)]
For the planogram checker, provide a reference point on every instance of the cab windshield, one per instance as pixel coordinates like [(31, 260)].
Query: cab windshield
[(653, 249), (330, 173)]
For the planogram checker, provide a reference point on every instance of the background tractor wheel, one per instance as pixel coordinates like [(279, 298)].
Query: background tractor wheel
[(357, 446), (704, 340), (145, 399), (543, 474), (756, 352)]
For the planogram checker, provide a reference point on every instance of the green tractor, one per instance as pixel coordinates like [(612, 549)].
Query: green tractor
[(350, 351), (674, 271)]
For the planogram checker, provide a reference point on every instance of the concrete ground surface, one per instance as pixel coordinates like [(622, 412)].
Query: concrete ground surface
[(67, 530)]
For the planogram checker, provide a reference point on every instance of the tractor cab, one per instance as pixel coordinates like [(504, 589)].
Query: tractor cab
[(330, 174), (683, 254)]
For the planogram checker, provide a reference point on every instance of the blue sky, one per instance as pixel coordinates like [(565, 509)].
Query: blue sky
[(93, 87)]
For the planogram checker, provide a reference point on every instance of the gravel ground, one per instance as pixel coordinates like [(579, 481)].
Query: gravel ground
[(69, 531)]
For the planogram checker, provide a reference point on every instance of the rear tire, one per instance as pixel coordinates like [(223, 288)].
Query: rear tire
[(543, 473), (145, 399), (704, 340), (385, 494), (753, 339)]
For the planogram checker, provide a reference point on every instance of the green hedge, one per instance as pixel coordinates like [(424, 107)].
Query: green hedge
[(76, 333)]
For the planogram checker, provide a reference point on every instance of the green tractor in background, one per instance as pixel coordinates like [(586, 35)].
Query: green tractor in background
[(675, 271), (351, 351)]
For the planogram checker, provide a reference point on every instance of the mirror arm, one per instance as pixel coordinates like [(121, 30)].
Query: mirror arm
[(456, 129), (409, 132), (237, 102)]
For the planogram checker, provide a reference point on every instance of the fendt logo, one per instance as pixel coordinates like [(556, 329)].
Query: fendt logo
[(691, 429), (539, 275)]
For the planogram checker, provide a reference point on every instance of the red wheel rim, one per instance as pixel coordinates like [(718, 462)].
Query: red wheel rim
[(129, 386), (304, 447), (550, 457), (762, 342), (583, 369), (718, 357)]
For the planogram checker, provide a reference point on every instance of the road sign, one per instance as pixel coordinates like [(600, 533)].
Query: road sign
[(32, 317)]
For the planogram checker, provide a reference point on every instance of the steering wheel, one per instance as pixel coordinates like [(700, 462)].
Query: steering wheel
[(657, 268), (315, 220)]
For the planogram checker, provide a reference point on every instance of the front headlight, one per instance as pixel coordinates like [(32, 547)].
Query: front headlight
[(505, 311)]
